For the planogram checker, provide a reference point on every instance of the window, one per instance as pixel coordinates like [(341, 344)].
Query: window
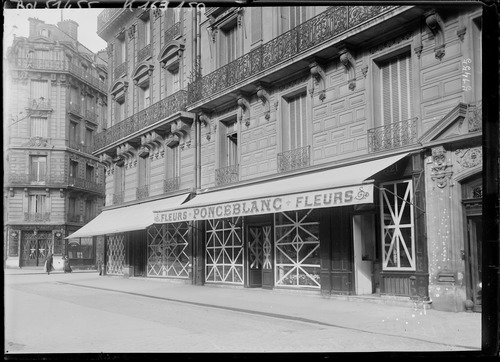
[(229, 144), (147, 32), (122, 52), (173, 162), (81, 249), (42, 54), (395, 92), (397, 226), (89, 210), (145, 99), (37, 204), (120, 112), (294, 124), (74, 134), (39, 91), (175, 80), (90, 173), (38, 167), (38, 127), (119, 179), (72, 210), (73, 168), (44, 32), (292, 16), (229, 44), (89, 136)]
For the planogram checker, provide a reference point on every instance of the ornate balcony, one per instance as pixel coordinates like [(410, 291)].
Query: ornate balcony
[(105, 16), (226, 175), (154, 113), (91, 116), (118, 198), (120, 70), (172, 32), (475, 116), (82, 183), (144, 53), (287, 46), (76, 109), (85, 76), (80, 147), (294, 159), (142, 192), (171, 184), (36, 216), (394, 135)]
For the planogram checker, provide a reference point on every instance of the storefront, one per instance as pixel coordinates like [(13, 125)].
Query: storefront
[(349, 230)]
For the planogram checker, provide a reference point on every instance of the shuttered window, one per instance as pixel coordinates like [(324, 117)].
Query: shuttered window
[(292, 16), (39, 89), (229, 45), (38, 127), (294, 124), (395, 92)]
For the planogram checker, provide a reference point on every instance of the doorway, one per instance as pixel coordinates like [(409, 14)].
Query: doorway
[(260, 256), (474, 257), (35, 247)]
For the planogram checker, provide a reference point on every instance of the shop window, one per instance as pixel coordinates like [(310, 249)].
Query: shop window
[(38, 168), (38, 127), (81, 248), (397, 225)]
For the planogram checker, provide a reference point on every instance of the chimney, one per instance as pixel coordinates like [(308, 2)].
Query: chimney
[(70, 27), (34, 22)]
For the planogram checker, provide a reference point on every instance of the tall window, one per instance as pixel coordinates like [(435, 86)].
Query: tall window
[(229, 144), (173, 162), (395, 89), (145, 98), (89, 210), (72, 210), (90, 173), (38, 168), (73, 168), (39, 89), (294, 124), (89, 136), (38, 127), (74, 133), (144, 170), (119, 179), (119, 112), (37, 204), (292, 16), (175, 80), (229, 44), (147, 32)]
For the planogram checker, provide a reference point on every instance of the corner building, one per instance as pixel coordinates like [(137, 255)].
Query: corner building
[(55, 102), (330, 149)]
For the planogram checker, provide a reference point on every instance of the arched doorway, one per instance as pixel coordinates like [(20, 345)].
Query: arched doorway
[(472, 193)]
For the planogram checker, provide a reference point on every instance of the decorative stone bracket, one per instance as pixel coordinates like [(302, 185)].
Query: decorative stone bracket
[(349, 63), (440, 170), (206, 122), (436, 26), (244, 104), (127, 152), (182, 129), (266, 100), (318, 78), (151, 145)]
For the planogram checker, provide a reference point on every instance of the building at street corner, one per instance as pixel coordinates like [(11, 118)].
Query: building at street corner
[(55, 102), (330, 149)]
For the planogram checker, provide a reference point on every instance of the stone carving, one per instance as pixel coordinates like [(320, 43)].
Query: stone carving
[(441, 170), (469, 157)]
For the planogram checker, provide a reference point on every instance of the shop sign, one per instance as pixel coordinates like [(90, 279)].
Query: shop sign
[(342, 196)]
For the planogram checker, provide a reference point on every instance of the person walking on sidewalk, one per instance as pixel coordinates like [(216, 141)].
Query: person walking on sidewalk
[(48, 263), (67, 267)]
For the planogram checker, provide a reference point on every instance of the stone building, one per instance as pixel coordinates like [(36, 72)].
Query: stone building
[(55, 100), (328, 149)]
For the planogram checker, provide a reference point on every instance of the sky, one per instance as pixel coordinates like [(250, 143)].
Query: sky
[(16, 22)]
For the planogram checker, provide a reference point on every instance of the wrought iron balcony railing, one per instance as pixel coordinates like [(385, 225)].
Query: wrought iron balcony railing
[(475, 116), (84, 75), (80, 147), (118, 198), (76, 109), (105, 16), (393, 135), (154, 113), (91, 116), (120, 70), (294, 159), (306, 36), (36, 216), (226, 175), (172, 32), (85, 184), (142, 192), (144, 53), (171, 184)]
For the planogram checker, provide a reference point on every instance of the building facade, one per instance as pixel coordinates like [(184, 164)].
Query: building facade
[(55, 102), (329, 149)]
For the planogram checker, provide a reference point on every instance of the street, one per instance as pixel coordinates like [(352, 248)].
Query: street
[(74, 313)]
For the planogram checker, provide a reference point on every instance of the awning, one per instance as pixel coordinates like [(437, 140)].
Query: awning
[(127, 218), (329, 188)]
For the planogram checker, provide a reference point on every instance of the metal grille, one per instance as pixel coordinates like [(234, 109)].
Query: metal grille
[(297, 249), (35, 247), (115, 254), (224, 251), (294, 159), (171, 184), (168, 250), (142, 192), (267, 248), (144, 53), (393, 135), (226, 175), (172, 32)]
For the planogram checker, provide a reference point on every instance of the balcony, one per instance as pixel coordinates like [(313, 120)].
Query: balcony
[(226, 175), (144, 53), (85, 76), (106, 16), (84, 184), (80, 147), (118, 198), (120, 70), (76, 109), (142, 192), (91, 116), (36, 216), (392, 136), (294, 159), (307, 36), (75, 218), (172, 32), (149, 116)]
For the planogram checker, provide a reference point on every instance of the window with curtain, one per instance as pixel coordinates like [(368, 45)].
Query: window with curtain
[(294, 123), (395, 89), (229, 143), (38, 127), (38, 168), (37, 204)]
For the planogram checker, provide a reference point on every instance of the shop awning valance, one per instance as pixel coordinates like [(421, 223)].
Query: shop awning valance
[(341, 186), (127, 218)]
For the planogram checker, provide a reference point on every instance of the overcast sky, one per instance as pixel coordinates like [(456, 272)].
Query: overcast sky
[(16, 22)]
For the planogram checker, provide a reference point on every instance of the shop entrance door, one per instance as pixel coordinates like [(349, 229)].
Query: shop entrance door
[(474, 251), (35, 248), (260, 265)]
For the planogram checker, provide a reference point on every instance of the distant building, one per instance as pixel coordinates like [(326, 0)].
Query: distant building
[(333, 149), (55, 101)]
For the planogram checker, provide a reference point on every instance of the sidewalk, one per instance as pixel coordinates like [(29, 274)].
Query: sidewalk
[(416, 322)]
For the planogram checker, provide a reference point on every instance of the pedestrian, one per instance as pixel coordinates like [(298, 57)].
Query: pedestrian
[(48, 263), (99, 264), (67, 267)]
